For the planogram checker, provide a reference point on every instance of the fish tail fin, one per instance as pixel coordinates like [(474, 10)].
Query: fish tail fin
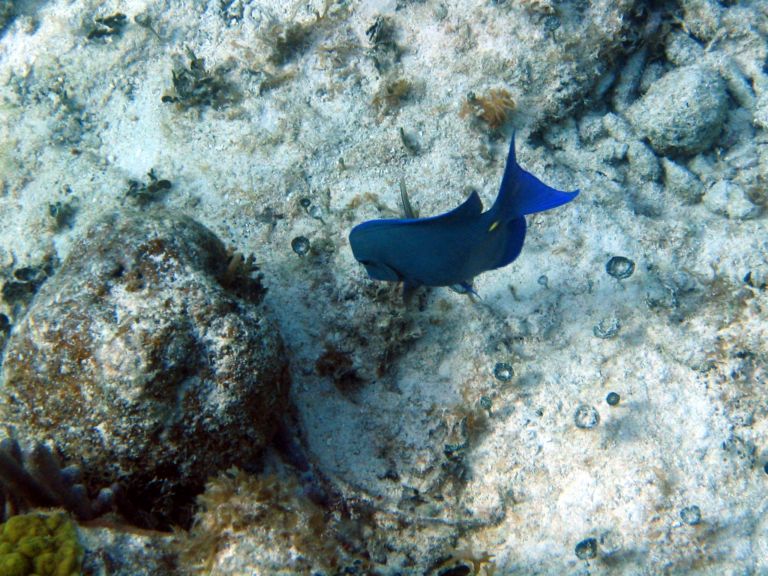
[(522, 193)]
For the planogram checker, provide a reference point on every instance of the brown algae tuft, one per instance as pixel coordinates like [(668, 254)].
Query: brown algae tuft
[(492, 109), (255, 514)]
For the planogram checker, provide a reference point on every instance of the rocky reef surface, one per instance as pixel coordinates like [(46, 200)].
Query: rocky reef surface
[(137, 362), (599, 411)]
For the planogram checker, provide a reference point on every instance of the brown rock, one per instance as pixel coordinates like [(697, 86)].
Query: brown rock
[(149, 359)]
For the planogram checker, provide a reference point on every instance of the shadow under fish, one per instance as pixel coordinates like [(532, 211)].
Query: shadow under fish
[(452, 248)]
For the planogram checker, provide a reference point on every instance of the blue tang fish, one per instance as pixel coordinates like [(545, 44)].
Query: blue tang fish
[(452, 248)]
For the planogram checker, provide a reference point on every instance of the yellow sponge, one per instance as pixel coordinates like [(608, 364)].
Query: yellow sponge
[(40, 544)]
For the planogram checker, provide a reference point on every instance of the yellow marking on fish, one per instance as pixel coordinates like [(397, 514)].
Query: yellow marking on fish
[(493, 226)]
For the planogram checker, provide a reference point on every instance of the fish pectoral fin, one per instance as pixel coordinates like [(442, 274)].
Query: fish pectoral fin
[(467, 288), (470, 208), (462, 288)]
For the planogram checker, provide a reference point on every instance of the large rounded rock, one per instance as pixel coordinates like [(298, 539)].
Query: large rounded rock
[(149, 359), (683, 111)]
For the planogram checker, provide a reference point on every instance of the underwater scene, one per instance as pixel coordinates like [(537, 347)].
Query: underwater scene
[(383, 287)]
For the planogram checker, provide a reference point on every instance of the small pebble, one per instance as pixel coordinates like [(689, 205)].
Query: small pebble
[(503, 372), (28, 274), (305, 202), (691, 515), (586, 417), (300, 245), (620, 267), (543, 281), (765, 468), (613, 399), (315, 212), (606, 328), (586, 549)]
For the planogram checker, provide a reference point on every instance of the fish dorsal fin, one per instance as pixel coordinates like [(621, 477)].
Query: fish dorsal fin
[(470, 208)]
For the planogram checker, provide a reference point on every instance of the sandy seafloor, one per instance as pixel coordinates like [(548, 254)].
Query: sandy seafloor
[(80, 118)]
